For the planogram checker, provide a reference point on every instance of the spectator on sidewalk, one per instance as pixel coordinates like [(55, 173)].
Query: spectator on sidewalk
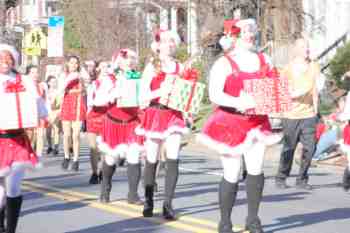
[(53, 130), (300, 123), (345, 142), (328, 134)]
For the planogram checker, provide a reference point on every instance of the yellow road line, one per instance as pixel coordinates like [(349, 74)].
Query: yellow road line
[(90, 200)]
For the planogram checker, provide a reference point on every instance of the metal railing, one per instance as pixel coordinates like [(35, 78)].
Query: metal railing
[(329, 49)]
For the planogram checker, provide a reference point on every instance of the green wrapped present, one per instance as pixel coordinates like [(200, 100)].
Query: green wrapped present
[(130, 90), (185, 95)]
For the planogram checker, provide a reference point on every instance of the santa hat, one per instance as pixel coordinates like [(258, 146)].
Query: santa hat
[(12, 50), (161, 35), (120, 55), (230, 31)]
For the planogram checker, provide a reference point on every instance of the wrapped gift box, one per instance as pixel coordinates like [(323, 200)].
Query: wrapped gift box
[(20, 109), (271, 95), (130, 90), (185, 95)]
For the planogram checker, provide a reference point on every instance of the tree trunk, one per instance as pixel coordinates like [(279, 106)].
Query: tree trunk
[(2, 14)]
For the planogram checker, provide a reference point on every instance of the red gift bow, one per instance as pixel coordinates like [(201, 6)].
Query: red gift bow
[(160, 76), (270, 73), (273, 73), (190, 74), (16, 87)]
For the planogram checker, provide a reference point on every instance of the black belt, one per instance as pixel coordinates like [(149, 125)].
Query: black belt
[(12, 135), (159, 106), (119, 121), (231, 110), (99, 109)]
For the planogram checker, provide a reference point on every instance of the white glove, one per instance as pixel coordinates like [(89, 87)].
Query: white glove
[(165, 89), (245, 102), (115, 93)]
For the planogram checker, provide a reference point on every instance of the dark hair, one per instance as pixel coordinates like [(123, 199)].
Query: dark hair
[(49, 78), (30, 67), (68, 59)]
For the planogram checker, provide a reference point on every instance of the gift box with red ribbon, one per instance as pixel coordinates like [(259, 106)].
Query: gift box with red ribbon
[(271, 93), (19, 105), (186, 92)]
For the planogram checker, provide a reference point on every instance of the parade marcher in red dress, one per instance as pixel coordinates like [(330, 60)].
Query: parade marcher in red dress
[(73, 109), (161, 125), (16, 153), (345, 142), (234, 134), (118, 138), (94, 120)]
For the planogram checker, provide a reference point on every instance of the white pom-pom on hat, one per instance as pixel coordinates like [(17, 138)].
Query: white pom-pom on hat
[(162, 35), (12, 50), (226, 42)]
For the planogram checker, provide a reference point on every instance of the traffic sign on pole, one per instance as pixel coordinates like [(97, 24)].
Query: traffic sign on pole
[(55, 36)]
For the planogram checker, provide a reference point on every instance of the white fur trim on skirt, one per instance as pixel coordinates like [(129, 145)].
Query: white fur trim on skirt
[(119, 150), (253, 136), (161, 135)]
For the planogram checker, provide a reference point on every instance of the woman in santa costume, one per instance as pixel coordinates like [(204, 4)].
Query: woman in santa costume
[(94, 119), (73, 109), (234, 134), (161, 125), (16, 153), (345, 141), (118, 139)]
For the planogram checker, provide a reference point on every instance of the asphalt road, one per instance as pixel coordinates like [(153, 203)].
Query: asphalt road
[(59, 201)]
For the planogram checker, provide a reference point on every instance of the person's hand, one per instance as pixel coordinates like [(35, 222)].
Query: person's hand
[(165, 89), (246, 102)]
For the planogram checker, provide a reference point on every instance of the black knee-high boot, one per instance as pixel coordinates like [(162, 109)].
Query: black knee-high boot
[(2, 219), (13, 209), (171, 177), (227, 198), (149, 179), (254, 187), (106, 184), (346, 179), (134, 175)]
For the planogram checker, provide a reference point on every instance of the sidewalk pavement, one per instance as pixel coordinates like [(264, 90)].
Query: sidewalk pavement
[(272, 153)]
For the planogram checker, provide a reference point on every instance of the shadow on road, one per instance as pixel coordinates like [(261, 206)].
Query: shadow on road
[(214, 206), (56, 207), (132, 225), (301, 220)]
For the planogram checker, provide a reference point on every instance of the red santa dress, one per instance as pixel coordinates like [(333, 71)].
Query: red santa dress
[(230, 132), (159, 121), (74, 103), (118, 128), (94, 118)]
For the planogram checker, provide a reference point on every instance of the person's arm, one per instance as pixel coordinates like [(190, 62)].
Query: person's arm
[(103, 95), (146, 94), (217, 79)]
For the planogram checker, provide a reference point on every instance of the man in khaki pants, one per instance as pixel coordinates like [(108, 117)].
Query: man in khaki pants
[(299, 125)]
